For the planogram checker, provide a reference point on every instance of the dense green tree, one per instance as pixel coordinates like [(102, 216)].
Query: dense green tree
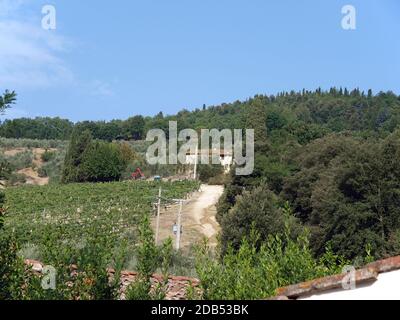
[(38, 128), (258, 210), (315, 113), (134, 128), (72, 170), (347, 190), (102, 162), (256, 120)]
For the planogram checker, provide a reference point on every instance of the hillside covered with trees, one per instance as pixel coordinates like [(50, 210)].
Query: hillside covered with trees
[(330, 155), (325, 190), (304, 115)]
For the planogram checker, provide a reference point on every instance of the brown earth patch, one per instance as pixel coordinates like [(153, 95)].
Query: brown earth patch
[(198, 218)]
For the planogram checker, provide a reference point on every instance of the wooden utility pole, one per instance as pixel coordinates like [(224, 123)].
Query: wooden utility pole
[(158, 214), (178, 234)]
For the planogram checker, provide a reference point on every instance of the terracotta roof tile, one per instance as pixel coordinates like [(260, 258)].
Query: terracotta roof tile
[(177, 286), (367, 274)]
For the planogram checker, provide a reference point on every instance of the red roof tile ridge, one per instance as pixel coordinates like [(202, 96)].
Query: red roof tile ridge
[(39, 266), (369, 273)]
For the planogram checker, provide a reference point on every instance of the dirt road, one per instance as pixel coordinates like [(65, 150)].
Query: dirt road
[(198, 218)]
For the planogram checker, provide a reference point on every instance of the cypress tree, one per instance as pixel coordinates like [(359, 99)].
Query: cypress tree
[(79, 143)]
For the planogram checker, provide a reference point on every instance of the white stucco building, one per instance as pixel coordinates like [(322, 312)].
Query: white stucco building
[(225, 158)]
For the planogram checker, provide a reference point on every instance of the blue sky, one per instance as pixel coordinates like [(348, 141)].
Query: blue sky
[(115, 59)]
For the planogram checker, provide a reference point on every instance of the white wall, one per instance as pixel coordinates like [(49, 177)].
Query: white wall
[(387, 287), (226, 161)]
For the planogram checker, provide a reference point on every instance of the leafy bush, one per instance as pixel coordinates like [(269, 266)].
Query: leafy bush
[(47, 156), (16, 178), (149, 258), (127, 152), (102, 162), (5, 169), (42, 173), (93, 161), (260, 209), (21, 160), (346, 188), (12, 269), (254, 272), (32, 143), (53, 168), (11, 266), (91, 258)]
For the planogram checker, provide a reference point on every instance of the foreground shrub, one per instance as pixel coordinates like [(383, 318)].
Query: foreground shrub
[(149, 259), (81, 268), (11, 266), (254, 272)]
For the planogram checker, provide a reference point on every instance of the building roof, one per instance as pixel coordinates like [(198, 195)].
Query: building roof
[(177, 286), (366, 275), (222, 152)]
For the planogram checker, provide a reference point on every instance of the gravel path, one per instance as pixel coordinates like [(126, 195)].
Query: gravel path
[(198, 218)]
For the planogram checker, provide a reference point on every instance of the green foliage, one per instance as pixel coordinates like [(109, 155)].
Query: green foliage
[(11, 266), (305, 115), (94, 161), (259, 209), (7, 143), (97, 223), (208, 173), (21, 160), (16, 179), (134, 128), (6, 100), (54, 167), (89, 280), (254, 272), (38, 128), (11, 269), (48, 156), (79, 143), (102, 162), (81, 207), (257, 119), (347, 189), (149, 258), (81, 268), (5, 169)]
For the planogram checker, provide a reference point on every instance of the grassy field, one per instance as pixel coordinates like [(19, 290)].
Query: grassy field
[(70, 212)]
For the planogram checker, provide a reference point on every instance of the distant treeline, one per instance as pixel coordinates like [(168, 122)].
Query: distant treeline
[(305, 113)]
